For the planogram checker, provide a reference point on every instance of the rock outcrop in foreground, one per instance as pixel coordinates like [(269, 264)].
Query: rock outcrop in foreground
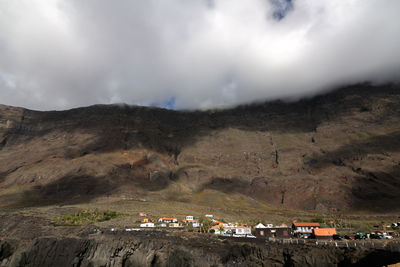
[(161, 249)]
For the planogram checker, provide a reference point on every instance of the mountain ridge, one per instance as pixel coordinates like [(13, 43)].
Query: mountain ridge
[(334, 151)]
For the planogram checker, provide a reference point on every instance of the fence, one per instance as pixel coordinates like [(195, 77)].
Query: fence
[(393, 246), (242, 239)]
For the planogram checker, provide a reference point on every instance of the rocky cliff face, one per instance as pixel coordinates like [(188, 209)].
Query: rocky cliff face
[(337, 151), (157, 249)]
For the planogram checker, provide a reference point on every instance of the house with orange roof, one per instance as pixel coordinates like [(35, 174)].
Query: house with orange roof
[(218, 222), (388, 232), (225, 228), (304, 229), (323, 233), (216, 229), (191, 221)]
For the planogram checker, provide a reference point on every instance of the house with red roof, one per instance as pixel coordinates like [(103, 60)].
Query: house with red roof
[(216, 229), (323, 233), (191, 221), (304, 229)]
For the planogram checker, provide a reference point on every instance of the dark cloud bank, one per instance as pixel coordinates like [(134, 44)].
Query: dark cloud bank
[(57, 54)]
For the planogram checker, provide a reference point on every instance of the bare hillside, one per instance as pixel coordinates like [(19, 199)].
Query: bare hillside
[(332, 152)]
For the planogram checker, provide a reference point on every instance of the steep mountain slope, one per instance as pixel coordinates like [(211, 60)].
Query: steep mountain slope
[(336, 151)]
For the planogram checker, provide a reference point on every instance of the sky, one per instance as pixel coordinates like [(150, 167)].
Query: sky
[(198, 54)]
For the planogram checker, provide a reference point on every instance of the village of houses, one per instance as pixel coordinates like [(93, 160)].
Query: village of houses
[(303, 230)]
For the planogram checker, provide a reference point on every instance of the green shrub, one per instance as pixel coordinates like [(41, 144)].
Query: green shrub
[(318, 220), (86, 217)]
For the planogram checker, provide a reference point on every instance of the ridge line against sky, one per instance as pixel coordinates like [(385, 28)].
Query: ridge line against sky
[(59, 54)]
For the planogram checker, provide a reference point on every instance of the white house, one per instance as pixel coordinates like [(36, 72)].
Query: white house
[(216, 229), (192, 221), (148, 224), (196, 224), (174, 225), (260, 226), (168, 220), (304, 228), (228, 226), (209, 216), (242, 230), (222, 229)]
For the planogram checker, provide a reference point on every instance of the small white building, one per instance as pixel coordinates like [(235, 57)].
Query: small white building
[(168, 220), (147, 225), (242, 230), (189, 220), (209, 216), (228, 226), (304, 228), (260, 226), (195, 224), (216, 229)]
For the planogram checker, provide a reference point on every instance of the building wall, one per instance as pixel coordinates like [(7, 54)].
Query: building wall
[(243, 231), (274, 232), (303, 229)]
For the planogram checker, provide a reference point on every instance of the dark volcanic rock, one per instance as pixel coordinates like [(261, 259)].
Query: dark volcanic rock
[(159, 250)]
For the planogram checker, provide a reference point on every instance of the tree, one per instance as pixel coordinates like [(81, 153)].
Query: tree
[(221, 229), (205, 224)]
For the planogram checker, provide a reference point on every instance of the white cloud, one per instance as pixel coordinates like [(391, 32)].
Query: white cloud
[(57, 54)]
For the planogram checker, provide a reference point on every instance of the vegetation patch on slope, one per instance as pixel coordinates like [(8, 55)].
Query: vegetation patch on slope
[(86, 217)]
